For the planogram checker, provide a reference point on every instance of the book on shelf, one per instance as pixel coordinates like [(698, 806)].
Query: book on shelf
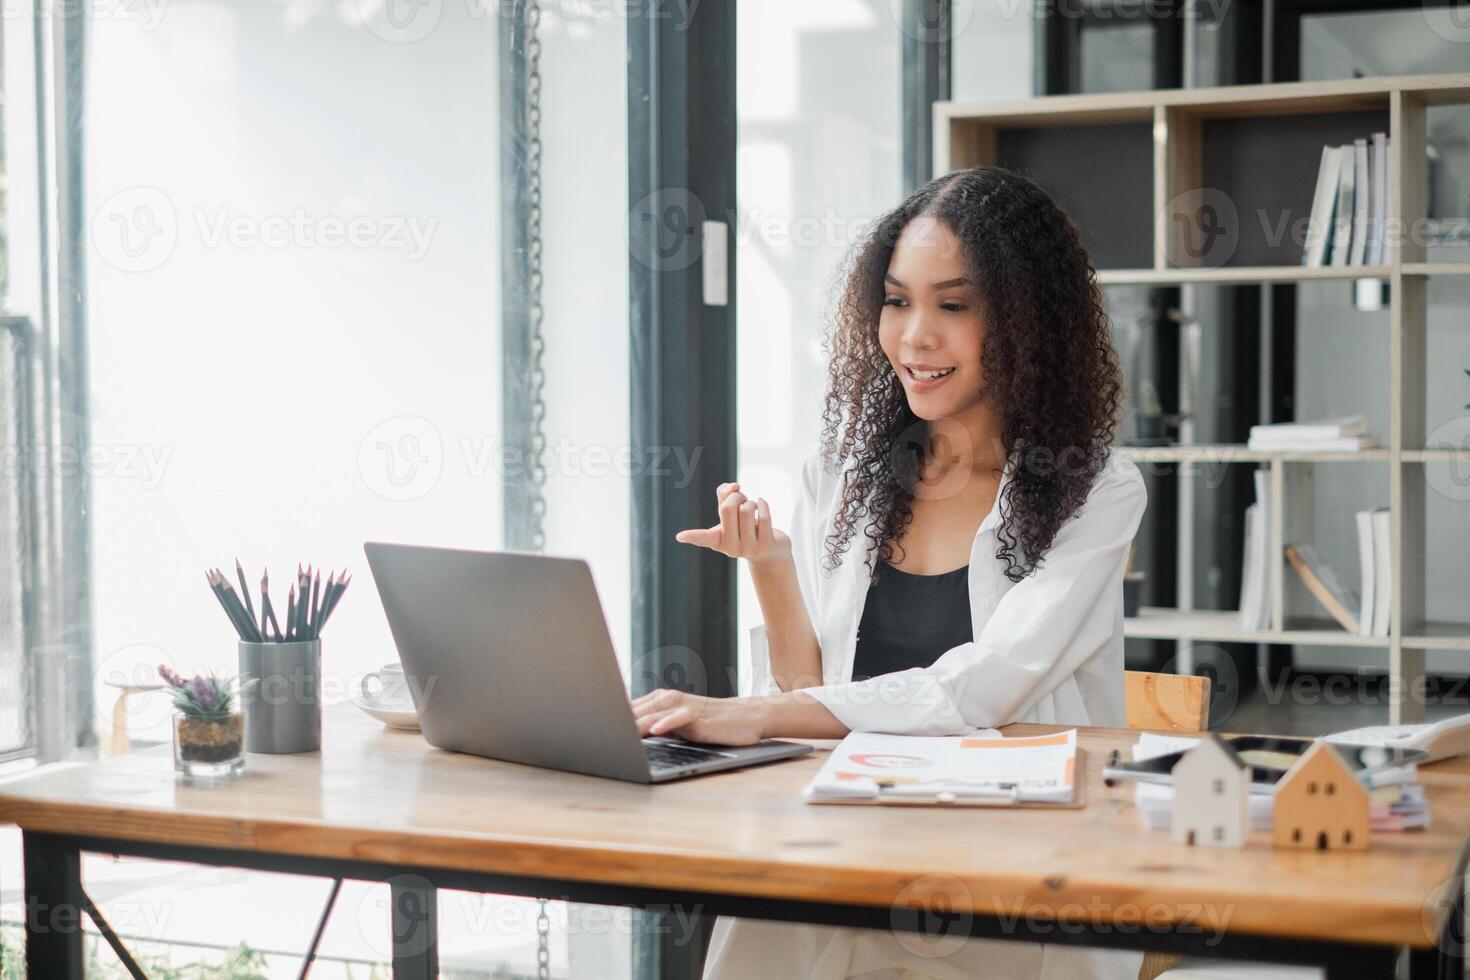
[(1382, 572), (1322, 581), (1345, 434), (1362, 191), (1319, 225), (1251, 587), (1343, 425), (1255, 567), (1342, 224), (1346, 224), (1342, 444), (1367, 582), (1378, 201)]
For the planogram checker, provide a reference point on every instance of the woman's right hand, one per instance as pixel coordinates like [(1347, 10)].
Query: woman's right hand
[(744, 530)]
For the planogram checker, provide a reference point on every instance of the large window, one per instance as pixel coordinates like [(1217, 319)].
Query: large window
[(818, 158), (292, 227)]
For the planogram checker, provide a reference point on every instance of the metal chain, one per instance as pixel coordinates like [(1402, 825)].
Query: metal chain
[(543, 943), (536, 312), (536, 316)]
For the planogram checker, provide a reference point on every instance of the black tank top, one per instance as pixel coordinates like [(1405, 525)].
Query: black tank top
[(909, 620)]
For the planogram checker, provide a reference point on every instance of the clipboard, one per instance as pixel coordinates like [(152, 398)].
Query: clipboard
[(984, 801)]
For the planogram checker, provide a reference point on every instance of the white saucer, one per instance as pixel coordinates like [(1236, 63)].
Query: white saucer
[(394, 716)]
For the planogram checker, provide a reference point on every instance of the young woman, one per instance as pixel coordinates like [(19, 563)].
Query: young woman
[(956, 555)]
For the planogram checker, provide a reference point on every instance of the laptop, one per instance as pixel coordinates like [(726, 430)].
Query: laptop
[(508, 656)]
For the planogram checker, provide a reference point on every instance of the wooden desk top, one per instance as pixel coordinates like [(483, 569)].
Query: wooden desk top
[(374, 794)]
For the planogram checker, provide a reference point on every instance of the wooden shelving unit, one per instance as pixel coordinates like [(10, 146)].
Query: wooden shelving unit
[(1162, 156)]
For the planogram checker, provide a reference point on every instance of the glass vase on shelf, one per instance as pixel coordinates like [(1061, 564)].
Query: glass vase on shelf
[(209, 725)]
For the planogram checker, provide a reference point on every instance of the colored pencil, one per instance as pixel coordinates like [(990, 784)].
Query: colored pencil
[(342, 584), (310, 603), (313, 619), (245, 591), (216, 582), (266, 608), (251, 633)]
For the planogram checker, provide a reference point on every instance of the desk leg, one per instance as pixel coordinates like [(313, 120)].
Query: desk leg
[(1361, 963), (415, 924), (1446, 959), (53, 909), (1452, 943)]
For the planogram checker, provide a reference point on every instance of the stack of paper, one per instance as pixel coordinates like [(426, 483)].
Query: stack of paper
[(1396, 799), (1347, 434), (977, 769)]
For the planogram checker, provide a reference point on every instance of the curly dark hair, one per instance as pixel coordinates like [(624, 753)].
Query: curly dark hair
[(1048, 366)]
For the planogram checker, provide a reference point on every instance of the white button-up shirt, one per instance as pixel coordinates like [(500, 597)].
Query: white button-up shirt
[(1046, 649)]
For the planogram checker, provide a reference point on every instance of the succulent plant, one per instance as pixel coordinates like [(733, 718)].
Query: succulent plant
[(204, 697)]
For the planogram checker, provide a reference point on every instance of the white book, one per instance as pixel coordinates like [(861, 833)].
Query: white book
[(1255, 568), (1251, 585), (1265, 611), (1342, 221), (1319, 225), (1377, 198), (1382, 573), (1361, 192), (1366, 566), (1343, 444), (1343, 425)]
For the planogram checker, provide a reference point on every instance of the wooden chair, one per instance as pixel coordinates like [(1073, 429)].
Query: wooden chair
[(1168, 703)]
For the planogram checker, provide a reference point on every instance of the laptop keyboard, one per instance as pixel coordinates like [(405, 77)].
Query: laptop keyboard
[(664, 755)]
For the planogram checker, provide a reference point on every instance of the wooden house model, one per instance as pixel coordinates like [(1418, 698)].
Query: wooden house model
[(1320, 804), (1211, 796)]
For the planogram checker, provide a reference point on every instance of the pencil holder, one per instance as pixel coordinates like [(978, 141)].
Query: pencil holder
[(280, 687)]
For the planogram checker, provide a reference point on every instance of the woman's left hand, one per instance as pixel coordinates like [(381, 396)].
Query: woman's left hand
[(718, 721)]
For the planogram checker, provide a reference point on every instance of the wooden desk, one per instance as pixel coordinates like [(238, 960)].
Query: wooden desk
[(381, 805)]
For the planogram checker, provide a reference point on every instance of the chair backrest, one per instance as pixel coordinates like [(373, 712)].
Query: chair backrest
[(1166, 702)]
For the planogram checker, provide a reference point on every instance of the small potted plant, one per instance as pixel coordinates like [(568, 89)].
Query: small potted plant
[(209, 727)]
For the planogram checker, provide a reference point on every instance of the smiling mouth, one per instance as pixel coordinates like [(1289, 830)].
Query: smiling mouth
[(928, 375)]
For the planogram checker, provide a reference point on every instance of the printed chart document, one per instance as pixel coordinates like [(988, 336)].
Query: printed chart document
[(965, 770)]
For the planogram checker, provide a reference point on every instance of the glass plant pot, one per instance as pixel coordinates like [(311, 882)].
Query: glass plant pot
[(209, 747)]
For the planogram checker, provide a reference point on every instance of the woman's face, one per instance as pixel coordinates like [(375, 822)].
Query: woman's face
[(931, 325)]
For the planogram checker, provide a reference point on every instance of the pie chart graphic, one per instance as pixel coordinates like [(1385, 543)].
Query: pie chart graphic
[(883, 760)]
